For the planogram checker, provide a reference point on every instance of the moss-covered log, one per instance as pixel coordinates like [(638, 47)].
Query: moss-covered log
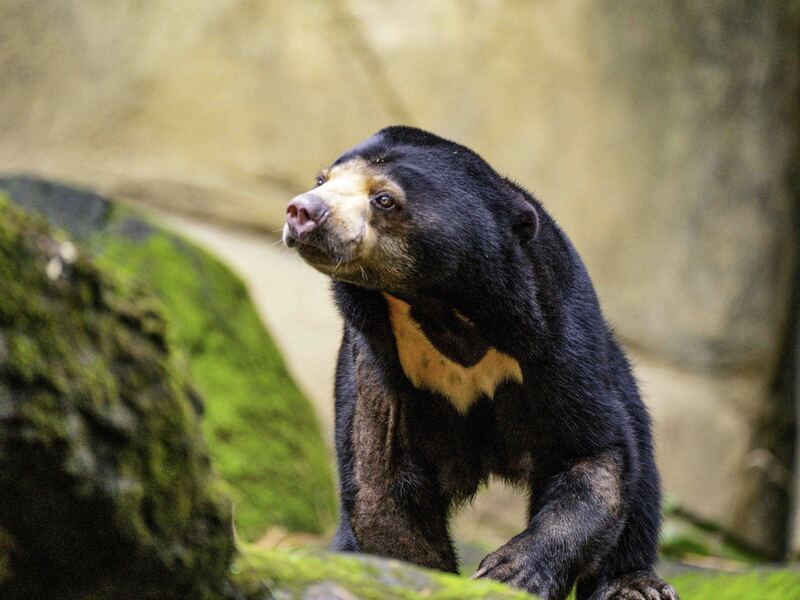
[(105, 485), (318, 575), (763, 584), (302, 574)]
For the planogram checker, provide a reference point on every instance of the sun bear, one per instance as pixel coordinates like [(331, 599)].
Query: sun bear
[(474, 345)]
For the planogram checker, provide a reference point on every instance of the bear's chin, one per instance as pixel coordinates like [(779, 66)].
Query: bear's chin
[(352, 273), (339, 270)]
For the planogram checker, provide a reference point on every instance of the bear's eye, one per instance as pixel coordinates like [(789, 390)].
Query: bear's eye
[(384, 201), (320, 180)]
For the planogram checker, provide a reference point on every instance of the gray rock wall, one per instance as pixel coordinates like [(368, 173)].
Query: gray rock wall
[(662, 135)]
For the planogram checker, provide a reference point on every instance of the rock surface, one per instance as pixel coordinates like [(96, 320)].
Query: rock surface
[(105, 478), (262, 433), (662, 135)]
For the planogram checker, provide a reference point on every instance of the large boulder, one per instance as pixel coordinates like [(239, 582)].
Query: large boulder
[(262, 433), (106, 489), (662, 135)]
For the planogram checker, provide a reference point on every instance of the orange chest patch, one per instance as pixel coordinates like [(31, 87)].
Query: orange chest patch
[(427, 368)]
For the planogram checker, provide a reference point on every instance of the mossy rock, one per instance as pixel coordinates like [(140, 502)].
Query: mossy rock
[(283, 574), (106, 489), (262, 432)]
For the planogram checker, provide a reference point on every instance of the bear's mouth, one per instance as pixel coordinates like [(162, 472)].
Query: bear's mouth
[(327, 260)]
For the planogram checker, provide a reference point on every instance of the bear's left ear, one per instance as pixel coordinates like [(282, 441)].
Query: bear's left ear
[(526, 220)]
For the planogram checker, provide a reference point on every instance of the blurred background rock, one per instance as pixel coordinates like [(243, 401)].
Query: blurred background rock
[(662, 135)]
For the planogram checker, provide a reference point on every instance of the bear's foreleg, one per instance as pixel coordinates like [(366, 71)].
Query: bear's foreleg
[(576, 516), (405, 523), (391, 505)]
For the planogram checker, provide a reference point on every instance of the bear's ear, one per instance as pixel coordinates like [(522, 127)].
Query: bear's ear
[(526, 220)]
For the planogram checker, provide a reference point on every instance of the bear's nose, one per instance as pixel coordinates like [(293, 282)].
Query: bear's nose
[(305, 213)]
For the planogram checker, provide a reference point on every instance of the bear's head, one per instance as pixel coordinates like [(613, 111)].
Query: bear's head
[(407, 211)]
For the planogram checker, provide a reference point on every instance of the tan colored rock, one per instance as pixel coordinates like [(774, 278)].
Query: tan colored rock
[(221, 108), (660, 134), (703, 444)]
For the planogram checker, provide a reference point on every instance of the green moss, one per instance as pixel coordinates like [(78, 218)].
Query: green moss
[(763, 585), (291, 573), (262, 433), (106, 479)]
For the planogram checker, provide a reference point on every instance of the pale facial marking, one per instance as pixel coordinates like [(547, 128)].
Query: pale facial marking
[(347, 190), (428, 368)]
